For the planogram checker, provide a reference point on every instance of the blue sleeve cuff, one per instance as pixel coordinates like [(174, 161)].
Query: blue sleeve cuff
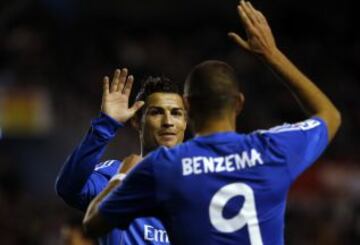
[(105, 126), (324, 125)]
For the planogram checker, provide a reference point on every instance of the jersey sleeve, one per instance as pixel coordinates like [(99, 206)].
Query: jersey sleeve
[(135, 197), (300, 143), (77, 182)]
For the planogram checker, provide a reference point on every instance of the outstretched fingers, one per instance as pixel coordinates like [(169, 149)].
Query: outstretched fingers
[(248, 18), (106, 86), (122, 80), (128, 85), (115, 80), (249, 11), (136, 106), (260, 18), (253, 13)]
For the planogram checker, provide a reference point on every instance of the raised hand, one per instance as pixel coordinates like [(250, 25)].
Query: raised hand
[(115, 99), (260, 39)]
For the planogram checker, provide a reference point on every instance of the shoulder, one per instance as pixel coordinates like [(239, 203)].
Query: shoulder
[(107, 168), (173, 152), (305, 125), (290, 134), (164, 155)]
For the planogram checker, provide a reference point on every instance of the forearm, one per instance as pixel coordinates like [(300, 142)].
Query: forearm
[(79, 166), (309, 96), (115, 181), (261, 43), (81, 163), (94, 205), (93, 222)]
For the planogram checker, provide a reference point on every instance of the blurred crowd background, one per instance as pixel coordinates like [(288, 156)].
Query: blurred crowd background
[(54, 53)]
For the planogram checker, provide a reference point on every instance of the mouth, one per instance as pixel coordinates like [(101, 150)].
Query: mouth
[(167, 136)]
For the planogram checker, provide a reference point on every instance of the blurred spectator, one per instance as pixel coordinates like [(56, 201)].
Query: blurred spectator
[(72, 233)]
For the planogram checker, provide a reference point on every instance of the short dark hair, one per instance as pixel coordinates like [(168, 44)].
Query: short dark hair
[(159, 84), (210, 88)]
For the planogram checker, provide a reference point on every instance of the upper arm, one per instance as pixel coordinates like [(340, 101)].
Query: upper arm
[(95, 183)]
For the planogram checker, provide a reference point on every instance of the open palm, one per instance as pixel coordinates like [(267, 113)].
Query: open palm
[(260, 39), (115, 99)]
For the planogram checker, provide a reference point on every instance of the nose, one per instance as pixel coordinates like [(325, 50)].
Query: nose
[(167, 121)]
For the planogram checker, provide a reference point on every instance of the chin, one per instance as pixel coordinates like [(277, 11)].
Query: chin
[(168, 144)]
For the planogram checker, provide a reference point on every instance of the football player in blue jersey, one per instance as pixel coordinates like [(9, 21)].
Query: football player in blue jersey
[(159, 116), (223, 187)]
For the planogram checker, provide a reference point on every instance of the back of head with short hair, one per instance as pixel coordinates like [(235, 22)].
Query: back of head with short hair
[(210, 88)]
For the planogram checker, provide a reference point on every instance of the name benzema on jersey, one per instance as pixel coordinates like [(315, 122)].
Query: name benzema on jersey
[(204, 164)]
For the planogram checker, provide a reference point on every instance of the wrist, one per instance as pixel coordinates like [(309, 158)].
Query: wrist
[(112, 119), (273, 57)]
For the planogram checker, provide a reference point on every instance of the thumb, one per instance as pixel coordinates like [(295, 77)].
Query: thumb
[(136, 106), (238, 40)]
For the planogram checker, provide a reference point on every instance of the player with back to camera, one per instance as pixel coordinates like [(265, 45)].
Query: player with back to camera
[(223, 187)]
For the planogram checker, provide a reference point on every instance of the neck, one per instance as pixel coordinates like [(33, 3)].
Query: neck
[(211, 126), (146, 150)]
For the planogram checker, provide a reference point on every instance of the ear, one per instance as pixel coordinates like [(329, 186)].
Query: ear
[(239, 102)]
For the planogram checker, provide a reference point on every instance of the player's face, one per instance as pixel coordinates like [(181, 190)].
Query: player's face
[(164, 121)]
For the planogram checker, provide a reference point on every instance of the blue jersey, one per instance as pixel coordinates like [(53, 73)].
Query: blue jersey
[(83, 176), (224, 188)]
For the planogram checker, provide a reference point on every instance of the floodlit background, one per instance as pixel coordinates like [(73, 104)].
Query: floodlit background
[(54, 53)]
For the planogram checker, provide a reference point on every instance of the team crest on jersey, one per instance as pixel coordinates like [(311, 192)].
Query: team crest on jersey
[(304, 125)]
